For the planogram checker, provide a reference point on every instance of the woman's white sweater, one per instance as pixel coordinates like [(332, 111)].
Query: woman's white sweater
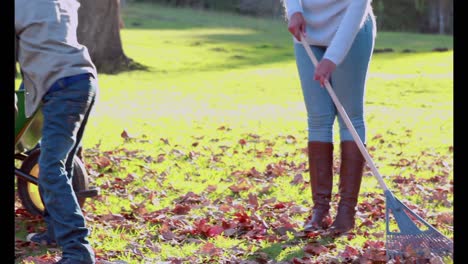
[(331, 23)]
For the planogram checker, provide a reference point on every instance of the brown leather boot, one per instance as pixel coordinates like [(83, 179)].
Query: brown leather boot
[(351, 170), (321, 182)]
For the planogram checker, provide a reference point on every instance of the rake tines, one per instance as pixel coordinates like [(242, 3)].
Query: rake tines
[(425, 245), (411, 241)]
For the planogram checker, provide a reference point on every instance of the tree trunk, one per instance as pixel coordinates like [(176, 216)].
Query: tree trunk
[(445, 16), (432, 16), (441, 17), (99, 31)]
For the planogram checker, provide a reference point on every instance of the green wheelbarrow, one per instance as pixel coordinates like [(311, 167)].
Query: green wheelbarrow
[(27, 151)]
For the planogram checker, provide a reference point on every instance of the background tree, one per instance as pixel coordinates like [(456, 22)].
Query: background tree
[(99, 30), (422, 16), (440, 13)]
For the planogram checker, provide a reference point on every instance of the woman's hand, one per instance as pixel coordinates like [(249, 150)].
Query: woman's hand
[(297, 25), (324, 70)]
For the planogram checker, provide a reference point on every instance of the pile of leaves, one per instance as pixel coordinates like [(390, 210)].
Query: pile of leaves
[(157, 206)]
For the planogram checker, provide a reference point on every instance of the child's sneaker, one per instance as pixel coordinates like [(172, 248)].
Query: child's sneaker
[(41, 238)]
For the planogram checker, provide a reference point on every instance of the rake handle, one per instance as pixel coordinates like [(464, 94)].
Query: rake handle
[(347, 121)]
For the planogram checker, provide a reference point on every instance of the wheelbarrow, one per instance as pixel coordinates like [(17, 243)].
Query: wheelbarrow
[(27, 151)]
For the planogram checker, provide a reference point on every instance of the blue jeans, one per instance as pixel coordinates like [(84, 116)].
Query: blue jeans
[(66, 109), (348, 81)]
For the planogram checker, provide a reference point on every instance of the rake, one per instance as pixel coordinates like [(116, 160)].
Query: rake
[(411, 241)]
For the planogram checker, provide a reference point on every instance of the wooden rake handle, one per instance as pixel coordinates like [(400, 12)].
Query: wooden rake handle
[(346, 119)]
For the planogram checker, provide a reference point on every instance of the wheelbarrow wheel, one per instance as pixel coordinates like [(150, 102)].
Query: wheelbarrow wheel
[(28, 192)]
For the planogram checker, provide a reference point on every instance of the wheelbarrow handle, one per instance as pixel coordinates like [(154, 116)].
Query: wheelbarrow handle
[(25, 176), (346, 119)]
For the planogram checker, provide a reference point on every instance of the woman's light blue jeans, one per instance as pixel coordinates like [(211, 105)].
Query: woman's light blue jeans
[(65, 110), (348, 81)]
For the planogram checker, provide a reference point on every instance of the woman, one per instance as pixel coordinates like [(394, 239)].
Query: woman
[(341, 33)]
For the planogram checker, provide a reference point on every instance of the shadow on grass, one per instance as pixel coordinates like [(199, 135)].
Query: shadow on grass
[(258, 52), (120, 65)]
